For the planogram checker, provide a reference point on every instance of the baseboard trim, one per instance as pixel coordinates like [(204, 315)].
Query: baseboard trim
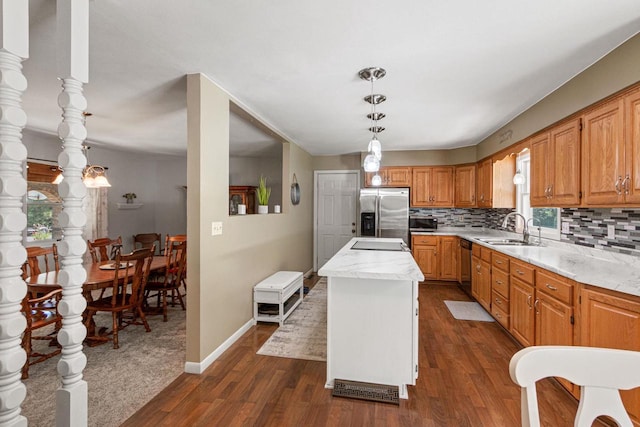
[(199, 367), (308, 273)]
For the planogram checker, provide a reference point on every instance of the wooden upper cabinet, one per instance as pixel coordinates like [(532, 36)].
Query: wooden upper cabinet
[(540, 153), (392, 176), (465, 184), (503, 190), (432, 186), (632, 153), (555, 166), (484, 187), (603, 151)]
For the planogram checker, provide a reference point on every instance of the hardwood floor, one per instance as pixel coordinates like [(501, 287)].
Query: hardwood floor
[(463, 381)]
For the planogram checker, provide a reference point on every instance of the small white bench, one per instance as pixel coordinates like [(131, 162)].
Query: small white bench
[(278, 289)]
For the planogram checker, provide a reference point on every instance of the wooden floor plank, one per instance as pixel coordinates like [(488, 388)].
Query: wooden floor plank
[(463, 381)]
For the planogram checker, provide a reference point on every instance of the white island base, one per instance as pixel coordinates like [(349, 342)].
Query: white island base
[(372, 317), (372, 331)]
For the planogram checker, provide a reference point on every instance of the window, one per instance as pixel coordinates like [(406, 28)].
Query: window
[(548, 219), (43, 204)]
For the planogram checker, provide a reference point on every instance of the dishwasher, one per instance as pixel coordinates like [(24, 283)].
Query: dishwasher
[(465, 266)]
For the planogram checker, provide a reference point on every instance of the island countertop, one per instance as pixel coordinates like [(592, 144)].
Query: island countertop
[(369, 264)]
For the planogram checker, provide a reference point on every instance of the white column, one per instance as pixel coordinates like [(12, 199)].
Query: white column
[(14, 47), (73, 64)]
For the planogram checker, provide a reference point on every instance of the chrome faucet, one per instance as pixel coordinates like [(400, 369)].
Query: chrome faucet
[(525, 231)]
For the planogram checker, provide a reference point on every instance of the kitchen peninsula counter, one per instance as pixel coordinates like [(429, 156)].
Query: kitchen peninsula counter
[(372, 316)]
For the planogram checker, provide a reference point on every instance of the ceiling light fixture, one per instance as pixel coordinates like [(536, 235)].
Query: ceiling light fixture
[(372, 160), (94, 176)]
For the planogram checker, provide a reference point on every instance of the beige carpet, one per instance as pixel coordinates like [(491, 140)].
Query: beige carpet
[(304, 333), (120, 381)]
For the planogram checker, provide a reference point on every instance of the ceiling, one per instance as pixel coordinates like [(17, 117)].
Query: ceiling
[(456, 70)]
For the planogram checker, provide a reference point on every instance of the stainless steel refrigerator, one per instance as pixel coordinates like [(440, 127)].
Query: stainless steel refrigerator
[(384, 212)]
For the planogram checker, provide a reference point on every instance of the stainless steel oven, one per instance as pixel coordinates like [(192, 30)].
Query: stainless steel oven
[(465, 266)]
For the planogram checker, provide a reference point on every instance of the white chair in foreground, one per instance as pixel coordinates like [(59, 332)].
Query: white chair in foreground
[(600, 372)]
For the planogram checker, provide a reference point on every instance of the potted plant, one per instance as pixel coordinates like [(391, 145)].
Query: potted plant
[(263, 195), (129, 197)]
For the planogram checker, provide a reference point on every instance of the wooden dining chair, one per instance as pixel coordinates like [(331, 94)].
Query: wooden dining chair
[(127, 292), (146, 240), (38, 257), (168, 241), (40, 312), (104, 248), (175, 262)]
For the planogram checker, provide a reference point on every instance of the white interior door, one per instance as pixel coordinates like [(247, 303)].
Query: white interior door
[(336, 212)]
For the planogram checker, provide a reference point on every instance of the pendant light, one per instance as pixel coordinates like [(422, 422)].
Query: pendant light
[(374, 149)]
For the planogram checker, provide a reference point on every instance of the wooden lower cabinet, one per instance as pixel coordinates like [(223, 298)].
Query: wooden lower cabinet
[(448, 257), (425, 250), (521, 310), (612, 321), (554, 326), (481, 282), (437, 256)]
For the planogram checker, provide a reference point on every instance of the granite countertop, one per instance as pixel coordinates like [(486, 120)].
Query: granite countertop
[(590, 266), (368, 264)]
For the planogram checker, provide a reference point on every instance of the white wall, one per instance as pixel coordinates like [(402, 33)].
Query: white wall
[(158, 181)]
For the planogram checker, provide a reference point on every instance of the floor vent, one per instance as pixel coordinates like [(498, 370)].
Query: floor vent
[(366, 391)]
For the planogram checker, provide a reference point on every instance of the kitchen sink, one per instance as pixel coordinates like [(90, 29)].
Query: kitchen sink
[(506, 242)]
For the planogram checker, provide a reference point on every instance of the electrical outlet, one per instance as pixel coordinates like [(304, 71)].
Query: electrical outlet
[(565, 227), (460, 218), (216, 228), (611, 231)]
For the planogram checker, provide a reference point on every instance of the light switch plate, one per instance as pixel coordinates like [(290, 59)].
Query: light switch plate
[(611, 231), (565, 227), (216, 228)]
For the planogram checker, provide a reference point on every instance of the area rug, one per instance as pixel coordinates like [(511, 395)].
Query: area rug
[(466, 310), (120, 381), (304, 333)]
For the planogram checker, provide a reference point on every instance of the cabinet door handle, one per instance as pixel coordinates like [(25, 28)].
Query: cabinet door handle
[(617, 185), (529, 301), (551, 191), (553, 288), (625, 184), (519, 272), (535, 305), (478, 268), (499, 282), (498, 262), (498, 301)]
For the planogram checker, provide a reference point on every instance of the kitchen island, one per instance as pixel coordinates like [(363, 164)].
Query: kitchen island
[(372, 314)]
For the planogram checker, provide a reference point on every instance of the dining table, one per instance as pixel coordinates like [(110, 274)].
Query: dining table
[(100, 275), (97, 277)]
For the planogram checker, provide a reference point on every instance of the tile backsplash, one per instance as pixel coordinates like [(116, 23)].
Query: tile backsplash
[(587, 226)]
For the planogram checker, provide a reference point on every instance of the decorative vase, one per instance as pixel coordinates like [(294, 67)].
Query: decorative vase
[(263, 209)]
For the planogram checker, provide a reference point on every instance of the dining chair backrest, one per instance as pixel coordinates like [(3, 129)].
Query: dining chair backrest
[(600, 373), (172, 239), (38, 257), (146, 240), (39, 312), (128, 289), (176, 262), (104, 248)]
